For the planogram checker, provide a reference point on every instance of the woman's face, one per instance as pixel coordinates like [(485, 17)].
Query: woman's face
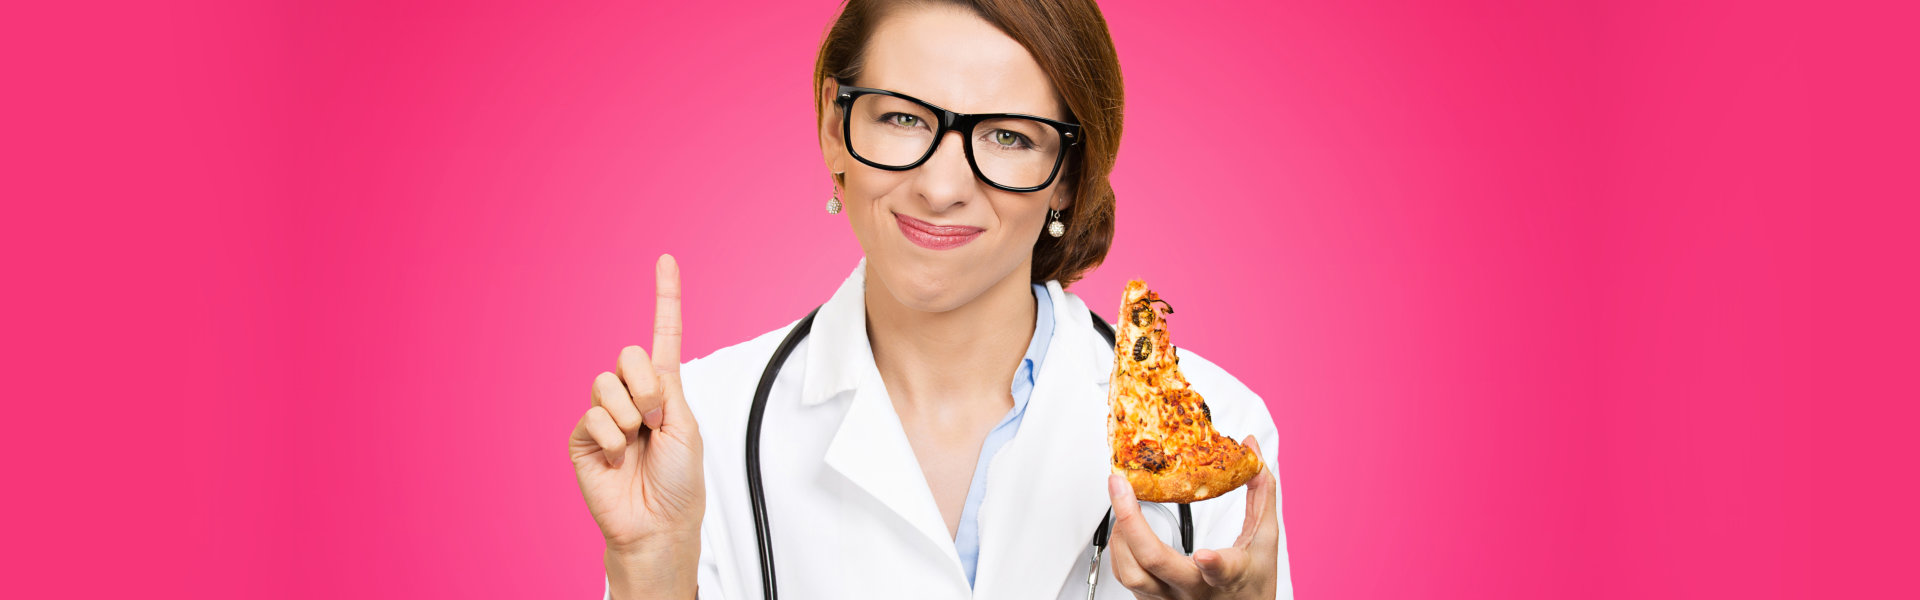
[(953, 59)]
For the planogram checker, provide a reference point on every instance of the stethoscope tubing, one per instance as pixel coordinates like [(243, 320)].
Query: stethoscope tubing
[(755, 492)]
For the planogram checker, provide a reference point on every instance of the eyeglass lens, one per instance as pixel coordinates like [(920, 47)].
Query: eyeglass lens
[(1010, 151)]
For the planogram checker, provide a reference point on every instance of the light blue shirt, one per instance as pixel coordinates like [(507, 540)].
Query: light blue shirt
[(967, 539)]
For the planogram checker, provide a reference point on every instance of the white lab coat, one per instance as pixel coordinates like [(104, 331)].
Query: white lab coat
[(849, 511)]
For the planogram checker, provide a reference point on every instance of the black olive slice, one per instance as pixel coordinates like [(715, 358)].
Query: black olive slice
[(1143, 316)]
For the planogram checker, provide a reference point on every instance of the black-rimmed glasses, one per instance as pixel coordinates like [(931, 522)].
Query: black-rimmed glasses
[(897, 132)]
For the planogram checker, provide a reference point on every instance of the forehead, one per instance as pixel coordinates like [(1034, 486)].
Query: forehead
[(953, 58)]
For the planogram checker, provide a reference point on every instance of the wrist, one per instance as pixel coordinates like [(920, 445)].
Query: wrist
[(662, 568), (654, 544)]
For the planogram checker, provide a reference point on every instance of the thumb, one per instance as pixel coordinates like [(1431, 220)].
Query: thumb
[(1222, 568)]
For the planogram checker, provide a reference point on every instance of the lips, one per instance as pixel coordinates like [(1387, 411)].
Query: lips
[(935, 237)]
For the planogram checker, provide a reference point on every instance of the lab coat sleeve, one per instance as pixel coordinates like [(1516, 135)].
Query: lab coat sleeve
[(1237, 413), (710, 582)]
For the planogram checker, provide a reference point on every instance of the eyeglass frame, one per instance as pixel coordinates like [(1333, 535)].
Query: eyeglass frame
[(951, 121)]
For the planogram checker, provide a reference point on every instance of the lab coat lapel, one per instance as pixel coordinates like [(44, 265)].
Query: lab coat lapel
[(870, 448), (1047, 488)]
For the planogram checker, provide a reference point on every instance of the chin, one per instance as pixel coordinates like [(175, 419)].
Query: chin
[(932, 288), (928, 291)]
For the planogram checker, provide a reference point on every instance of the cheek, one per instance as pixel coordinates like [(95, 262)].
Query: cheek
[(1018, 228), (864, 222), (1024, 215), (867, 213)]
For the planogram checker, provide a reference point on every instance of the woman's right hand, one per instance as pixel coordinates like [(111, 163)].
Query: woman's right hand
[(637, 454)]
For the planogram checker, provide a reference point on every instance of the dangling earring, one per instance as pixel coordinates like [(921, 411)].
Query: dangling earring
[(833, 205), (1056, 228)]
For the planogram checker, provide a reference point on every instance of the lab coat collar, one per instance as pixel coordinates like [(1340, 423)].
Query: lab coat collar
[(838, 354)]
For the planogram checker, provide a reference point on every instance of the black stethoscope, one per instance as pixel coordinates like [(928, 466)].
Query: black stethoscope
[(759, 498)]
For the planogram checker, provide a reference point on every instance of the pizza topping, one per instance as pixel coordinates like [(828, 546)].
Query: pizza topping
[(1143, 315), (1148, 457), (1141, 348)]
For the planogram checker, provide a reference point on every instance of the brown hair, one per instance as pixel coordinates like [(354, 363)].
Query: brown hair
[(1069, 39)]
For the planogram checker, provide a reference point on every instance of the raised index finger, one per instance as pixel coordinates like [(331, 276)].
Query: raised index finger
[(666, 315)]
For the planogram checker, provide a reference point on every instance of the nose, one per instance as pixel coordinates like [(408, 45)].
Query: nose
[(945, 179)]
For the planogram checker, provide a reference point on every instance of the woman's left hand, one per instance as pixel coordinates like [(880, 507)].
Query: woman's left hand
[(1153, 570)]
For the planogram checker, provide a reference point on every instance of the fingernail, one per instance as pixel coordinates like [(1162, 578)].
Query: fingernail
[(1117, 486), (617, 458), (652, 419)]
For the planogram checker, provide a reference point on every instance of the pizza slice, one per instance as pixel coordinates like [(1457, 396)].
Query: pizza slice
[(1161, 430)]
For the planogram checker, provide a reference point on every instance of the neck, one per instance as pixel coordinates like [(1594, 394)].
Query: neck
[(960, 356)]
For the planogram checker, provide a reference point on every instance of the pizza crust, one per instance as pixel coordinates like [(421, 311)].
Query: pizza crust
[(1184, 486)]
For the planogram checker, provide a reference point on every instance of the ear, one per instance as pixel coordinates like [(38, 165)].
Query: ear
[(832, 150), (1062, 197)]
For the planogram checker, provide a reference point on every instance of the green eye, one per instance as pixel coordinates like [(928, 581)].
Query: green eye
[(1006, 138), (906, 120)]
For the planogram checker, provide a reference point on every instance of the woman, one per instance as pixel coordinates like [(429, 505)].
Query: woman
[(940, 432)]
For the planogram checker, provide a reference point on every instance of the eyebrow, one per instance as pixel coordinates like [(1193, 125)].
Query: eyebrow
[(1060, 114)]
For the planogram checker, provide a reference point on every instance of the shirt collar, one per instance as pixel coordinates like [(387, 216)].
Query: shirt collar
[(1025, 376)]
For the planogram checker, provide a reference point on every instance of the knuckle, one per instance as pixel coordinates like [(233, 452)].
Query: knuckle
[(1149, 562), (595, 418), (1238, 576), (606, 379), (626, 418), (1132, 578), (632, 355), (644, 386), (599, 383)]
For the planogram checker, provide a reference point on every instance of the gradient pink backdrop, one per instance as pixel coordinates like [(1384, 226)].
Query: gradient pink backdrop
[(307, 295)]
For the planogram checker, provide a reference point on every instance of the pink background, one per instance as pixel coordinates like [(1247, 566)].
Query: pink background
[(304, 297)]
